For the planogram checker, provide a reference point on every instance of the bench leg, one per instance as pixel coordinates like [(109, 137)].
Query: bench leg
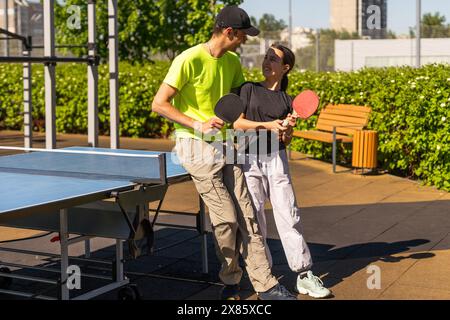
[(334, 150)]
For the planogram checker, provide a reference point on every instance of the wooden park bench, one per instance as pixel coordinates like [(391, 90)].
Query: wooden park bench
[(337, 123)]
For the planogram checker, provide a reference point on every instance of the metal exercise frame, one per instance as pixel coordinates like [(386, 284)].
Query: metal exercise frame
[(50, 60)]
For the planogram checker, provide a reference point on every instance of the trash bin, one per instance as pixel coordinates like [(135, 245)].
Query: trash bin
[(365, 145)]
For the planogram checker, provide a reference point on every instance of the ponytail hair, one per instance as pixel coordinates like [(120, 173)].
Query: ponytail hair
[(284, 82), (289, 59)]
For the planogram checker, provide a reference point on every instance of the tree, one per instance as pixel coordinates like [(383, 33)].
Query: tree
[(269, 26), (433, 26), (146, 27), (433, 19), (184, 23)]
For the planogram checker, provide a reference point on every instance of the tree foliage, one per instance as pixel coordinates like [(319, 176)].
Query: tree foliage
[(269, 25), (146, 27), (433, 26)]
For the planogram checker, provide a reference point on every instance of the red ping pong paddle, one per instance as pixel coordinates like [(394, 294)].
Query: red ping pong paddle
[(304, 104)]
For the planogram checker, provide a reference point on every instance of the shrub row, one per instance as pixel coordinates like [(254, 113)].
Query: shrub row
[(411, 109), (139, 84)]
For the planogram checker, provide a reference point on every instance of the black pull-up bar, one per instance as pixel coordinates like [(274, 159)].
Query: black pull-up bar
[(65, 46), (51, 60)]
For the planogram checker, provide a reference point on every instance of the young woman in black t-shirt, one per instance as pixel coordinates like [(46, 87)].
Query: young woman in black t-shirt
[(266, 167)]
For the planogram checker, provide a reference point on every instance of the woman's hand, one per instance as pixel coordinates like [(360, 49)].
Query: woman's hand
[(276, 125), (292, 119), (286, 135)]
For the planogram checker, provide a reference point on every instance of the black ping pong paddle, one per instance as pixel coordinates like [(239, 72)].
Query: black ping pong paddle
[(229, 108)]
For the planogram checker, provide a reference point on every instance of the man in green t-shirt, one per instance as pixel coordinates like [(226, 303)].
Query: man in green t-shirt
[(196, 80)]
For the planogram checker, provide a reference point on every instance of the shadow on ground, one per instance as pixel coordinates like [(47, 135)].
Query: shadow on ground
[(176, 273)]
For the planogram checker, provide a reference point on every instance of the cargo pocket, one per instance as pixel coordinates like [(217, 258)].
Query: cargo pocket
[(217, 199), (204, 185), (211, 193)]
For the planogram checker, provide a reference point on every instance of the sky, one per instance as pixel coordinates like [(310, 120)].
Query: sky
[(316, 13)]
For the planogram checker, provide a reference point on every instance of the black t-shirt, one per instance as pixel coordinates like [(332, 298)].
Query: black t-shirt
[(264, 105)]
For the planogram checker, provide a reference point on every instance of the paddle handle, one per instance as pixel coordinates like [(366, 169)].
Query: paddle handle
[(286, 121)]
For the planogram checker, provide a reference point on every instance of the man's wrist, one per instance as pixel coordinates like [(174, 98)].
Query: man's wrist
[(198, 126)]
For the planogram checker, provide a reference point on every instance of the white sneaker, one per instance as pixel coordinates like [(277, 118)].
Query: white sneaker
[(311, 285)]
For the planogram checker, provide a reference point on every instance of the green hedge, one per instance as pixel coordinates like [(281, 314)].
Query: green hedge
[(411, 109), (139, 84)]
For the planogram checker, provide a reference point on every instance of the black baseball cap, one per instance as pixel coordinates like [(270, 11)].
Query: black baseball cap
[(236, 18)]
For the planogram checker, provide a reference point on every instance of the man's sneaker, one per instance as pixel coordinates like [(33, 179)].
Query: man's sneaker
[(312, 286), (278, 292), (230, 292)]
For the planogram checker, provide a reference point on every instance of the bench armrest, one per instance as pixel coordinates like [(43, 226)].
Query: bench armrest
[(351, 126)]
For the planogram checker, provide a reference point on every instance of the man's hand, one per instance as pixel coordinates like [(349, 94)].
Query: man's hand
[(210, 126)]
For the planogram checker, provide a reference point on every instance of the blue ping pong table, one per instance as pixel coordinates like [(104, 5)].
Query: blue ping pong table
[(86, 193)]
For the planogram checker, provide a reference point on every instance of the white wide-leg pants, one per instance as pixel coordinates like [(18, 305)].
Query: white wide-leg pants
[(269, 178)]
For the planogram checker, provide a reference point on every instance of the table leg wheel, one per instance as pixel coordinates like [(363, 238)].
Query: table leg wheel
[(130, 292), (5, 282)]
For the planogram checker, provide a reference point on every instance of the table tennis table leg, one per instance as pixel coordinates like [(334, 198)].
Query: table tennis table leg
[(64, 238), (87, 248), (119, 261), (204, 236)]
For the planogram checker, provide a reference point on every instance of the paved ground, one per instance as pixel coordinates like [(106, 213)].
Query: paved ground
[(354, 224)]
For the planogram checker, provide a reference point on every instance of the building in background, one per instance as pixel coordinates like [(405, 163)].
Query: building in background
[(23, 17), (344, 15), (351, 55), (300, 37), (366, 17)]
